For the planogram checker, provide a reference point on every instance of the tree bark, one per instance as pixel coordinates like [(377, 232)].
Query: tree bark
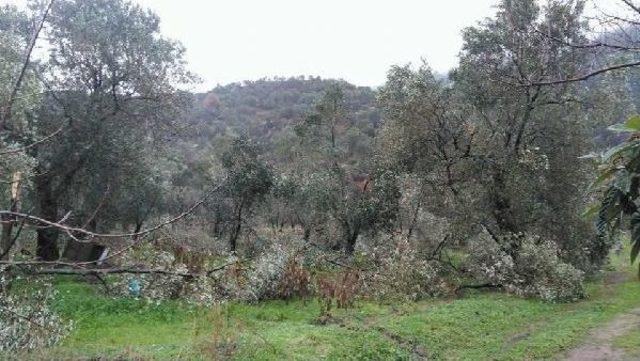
[(84, 252), (235, 232), (47, 241), (502, 204), (6, 241), (351, 237), (137, 229)]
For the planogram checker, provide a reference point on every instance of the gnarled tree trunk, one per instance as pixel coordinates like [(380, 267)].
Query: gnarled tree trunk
[(47, 243)]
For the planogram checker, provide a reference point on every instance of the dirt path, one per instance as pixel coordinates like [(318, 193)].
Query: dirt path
[(599, 344)]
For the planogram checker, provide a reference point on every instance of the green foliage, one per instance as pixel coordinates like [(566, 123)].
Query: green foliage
[(483, 149), (360, 197), (248, 180), (472, 146), (247, 176), (619, 183)]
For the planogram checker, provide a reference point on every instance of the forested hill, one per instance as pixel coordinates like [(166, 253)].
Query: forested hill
[(267, 110)]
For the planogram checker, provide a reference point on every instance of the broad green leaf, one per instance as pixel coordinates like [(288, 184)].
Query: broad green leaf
[(620, 128), (633, 123), (620, 148), (604, 176), (635, 236), (592, 211), (634, 250)]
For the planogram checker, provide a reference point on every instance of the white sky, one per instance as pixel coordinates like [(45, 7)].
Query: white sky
[(356, 40)]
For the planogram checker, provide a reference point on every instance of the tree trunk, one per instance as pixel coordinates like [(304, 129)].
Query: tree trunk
[(216, 227), (47, 242), (350, 246), (235, 232), (502, 205), (350, 238), (137, 229), (414, 219), (84, 251), (6, 242)]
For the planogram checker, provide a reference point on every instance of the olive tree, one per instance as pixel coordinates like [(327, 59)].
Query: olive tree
[(248, 180), (19, 94), (500, 152), (111, 76), (357, 198)]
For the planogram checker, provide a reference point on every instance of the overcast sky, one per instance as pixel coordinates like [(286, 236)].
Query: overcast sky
[(356, 40)]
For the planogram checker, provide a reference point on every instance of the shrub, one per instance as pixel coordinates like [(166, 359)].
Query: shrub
[(399, 271), (201, 289), (295, 280), (222, 341), (27, 321), (339, 289), (267, 272), (527, 266)]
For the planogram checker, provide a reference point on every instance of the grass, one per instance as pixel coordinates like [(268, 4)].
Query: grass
[(629, 343), (479, 326)]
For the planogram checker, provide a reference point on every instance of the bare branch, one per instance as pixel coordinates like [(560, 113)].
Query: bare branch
[(592, 45), (632, 6), (13, 240), (122, 270), (586, 76), (15, 314)]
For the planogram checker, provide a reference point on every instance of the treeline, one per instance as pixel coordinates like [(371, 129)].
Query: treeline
[(100, 149)]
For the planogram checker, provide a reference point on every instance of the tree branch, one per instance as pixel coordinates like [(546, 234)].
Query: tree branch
[(122, 270), (586, 76), (6, 112)]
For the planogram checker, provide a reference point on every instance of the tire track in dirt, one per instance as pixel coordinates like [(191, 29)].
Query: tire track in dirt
[(598, 346)]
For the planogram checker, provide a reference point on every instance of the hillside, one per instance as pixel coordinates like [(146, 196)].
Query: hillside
[(266, 110)]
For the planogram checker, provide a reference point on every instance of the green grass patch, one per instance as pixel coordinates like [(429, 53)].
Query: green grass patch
[(629, 342)]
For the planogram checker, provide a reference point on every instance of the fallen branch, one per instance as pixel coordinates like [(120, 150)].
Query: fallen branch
[(478, 286), (105, 271), (17, 315)]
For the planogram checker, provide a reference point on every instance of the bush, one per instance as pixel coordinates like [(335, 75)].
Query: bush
[(201, 289), (267, 272), (399, 271), (295, 280), (339, 288), (280, 272), (27, 321), (527, 266)]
